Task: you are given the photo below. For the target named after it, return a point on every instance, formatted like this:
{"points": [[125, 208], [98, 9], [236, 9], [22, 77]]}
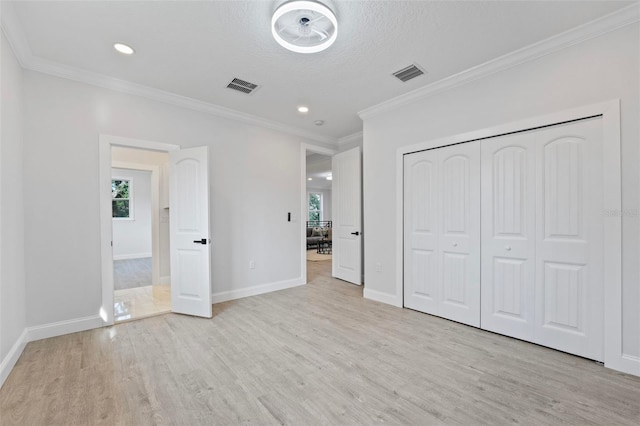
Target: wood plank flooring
{"points": [[316, 354]]}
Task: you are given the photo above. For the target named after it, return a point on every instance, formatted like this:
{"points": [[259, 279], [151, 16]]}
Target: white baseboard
{"points": [[131, 256], [165, 280], [12, 357], [378, 296], [63, 327], [224, 296]]}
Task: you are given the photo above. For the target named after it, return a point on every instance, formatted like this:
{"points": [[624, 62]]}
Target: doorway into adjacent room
{"points": [[319, 229], [140, 223]]}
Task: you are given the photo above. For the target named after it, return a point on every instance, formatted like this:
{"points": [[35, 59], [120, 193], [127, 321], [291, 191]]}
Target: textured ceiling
{"points": [[195, 48]]}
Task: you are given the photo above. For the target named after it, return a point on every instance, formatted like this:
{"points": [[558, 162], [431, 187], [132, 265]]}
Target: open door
{"points": [[347, 216], [189, 234]]}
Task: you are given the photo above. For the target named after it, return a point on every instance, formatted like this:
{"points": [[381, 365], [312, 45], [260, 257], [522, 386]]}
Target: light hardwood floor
{"points": [[316, 354]]}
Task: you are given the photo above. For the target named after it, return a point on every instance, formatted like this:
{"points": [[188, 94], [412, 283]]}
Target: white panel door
{"points": [[189, 232], [508, 235], [569, 221], [421, 245], [459, 236], [442, 232], [347, 216]]}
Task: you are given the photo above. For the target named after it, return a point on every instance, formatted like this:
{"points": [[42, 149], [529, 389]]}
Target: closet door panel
{"points": [[460, 232], [569, 275], [508, 232], [421, 251]]}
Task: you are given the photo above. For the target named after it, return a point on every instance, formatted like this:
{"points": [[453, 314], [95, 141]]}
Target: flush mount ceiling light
{"points": [[123, 48], [304, 26]]}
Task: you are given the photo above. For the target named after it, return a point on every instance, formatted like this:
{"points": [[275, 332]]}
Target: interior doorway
{"points": [[316, 213], [131, 154], [186, 193], [140, 233]]}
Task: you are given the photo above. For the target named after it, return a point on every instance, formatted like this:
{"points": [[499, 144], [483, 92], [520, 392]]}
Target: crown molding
{"points": [[18, 42], [611, 22], [350, 138], [13, 33]]}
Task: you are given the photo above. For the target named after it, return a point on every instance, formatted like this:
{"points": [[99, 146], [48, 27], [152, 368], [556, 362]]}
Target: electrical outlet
{"points": [[252, 264], [378, 267]]}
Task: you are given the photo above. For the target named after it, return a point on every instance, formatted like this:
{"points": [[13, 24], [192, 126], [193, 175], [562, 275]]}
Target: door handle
{"points": [[355, 233], [202, 241]]}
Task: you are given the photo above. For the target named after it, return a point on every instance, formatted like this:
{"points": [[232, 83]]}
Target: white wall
{"points": [[351, 142], [158, 159], [12, 281], [139, 156], [594, 71], [254, 182], [132, 237]]}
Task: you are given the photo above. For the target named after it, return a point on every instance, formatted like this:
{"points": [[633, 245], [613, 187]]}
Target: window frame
{"points": [[130, 199]]}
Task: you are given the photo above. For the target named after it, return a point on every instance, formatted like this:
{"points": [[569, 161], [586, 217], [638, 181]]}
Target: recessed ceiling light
{"points": [[330, 177], [304, 26], [318, 122], [309, 178], [303, 109], [123, 48]]}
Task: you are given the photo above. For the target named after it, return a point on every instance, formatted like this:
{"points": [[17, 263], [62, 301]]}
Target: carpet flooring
{"points": [[131, 273]]}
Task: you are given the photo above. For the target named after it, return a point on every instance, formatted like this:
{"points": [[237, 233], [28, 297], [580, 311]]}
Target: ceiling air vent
{"points": [[406, 74], [242, 86]]}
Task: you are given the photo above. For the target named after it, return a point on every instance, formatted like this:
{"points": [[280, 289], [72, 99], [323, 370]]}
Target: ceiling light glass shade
{"points": [[304, 26]]}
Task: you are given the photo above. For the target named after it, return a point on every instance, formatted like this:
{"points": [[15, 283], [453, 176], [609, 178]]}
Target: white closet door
{"points": [[442, 232], [508, 235], [460, 232], [421, 253], [569, 210]]}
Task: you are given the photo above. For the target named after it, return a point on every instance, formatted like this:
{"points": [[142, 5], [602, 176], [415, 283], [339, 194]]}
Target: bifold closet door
{"points": [[508, 235], [442, 232], [569, 300], [542, 221]]}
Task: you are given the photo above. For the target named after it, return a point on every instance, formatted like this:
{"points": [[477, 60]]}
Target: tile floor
{"points": [[141, 302]]}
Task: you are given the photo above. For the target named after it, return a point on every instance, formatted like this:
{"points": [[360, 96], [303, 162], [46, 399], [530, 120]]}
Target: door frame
{"points": [[106, 223], [303, 200], [612, 225]]}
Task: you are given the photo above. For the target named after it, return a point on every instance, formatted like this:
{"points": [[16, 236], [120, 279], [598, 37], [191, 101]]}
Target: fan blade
{"points": [[316, 20], [322, 34], [287, 27]]}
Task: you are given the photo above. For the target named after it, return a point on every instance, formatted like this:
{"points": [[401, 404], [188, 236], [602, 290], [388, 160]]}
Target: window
{"points": [[315, 206], [121, 199]]}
